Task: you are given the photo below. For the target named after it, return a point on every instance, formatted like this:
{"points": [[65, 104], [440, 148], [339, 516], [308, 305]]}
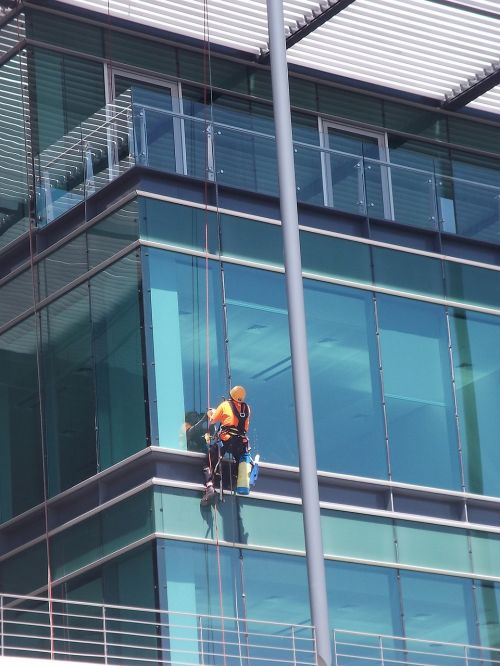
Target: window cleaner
{"points": [[233, 415]]}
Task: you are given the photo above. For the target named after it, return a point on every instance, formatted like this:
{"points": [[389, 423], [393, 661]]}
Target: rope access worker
{"points": [[234, 416]]}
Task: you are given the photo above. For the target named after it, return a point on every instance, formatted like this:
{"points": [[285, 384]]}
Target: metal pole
{"points": [[297, 325]]}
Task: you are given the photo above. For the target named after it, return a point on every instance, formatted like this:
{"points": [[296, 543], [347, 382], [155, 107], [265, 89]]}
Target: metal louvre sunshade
{"points": [[424, 47]]}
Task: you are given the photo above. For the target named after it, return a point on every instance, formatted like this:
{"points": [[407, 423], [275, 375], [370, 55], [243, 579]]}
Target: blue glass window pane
{"points": [[275, 589], [260, 358], [487, 595], [438, 607], [347, 396], [363, 598], [179, 337], [417, 385], [476, 358]]}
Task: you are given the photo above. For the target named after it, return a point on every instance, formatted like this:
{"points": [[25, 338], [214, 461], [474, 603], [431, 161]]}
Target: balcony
{"points": [[353, 648], [31, 627], [125, 133]]}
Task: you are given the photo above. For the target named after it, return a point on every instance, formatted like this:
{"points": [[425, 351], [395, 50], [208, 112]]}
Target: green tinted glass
{"points": [[113, 233], [350, 105], [361, 537], [418, 392], [335, 257], [16, 296], [472, 284], [485, 553], [178, 225], [70, 390], [143, 53], [26, 571], [407, 272], [345, 380], [117, 347], [433, 546], [62, 31], [21, 485], [476, 359]]}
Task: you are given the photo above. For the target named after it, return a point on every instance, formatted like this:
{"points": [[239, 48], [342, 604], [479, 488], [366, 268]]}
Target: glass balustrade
{"points": [[124, 134]]}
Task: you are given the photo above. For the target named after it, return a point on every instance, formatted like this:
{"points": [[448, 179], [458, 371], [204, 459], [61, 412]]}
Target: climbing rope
{"points": [[207, 87]]}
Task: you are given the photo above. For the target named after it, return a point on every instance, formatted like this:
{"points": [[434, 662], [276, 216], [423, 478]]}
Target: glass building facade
{"points": [[141, 274]]}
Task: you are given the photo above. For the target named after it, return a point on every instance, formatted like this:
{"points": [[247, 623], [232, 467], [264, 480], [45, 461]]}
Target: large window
{"points": [[183, 370], [93, 375], [418, 392], [346, 389], [476, 357], [21, 485]]}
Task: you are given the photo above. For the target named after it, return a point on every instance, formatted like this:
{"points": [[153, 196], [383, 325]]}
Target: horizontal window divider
{"points": [[102, 560], [319, 232], [230, 544], [15, 50], [255, 495], [323, 278], [209, 207], [270, 549], [62, 49]]}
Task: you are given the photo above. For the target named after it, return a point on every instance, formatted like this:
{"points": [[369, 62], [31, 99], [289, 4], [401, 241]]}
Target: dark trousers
{"points": [[236, 446]]}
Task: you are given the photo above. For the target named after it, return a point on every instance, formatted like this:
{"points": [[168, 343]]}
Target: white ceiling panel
{"points": [[425, 47]]}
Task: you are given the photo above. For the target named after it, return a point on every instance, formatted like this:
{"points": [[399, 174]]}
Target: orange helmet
{"points": [[238, 393]]}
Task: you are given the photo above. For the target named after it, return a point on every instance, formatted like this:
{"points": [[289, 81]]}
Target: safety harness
{"points": [[242, 415]]}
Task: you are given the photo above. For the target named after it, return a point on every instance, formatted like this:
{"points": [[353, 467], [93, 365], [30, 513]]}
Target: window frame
{"points": [[383, 148], [175, 88]]}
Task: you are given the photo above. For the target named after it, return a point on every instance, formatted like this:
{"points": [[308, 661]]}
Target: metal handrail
{"points": [[271, 137], [377, 651], [89, 631]]}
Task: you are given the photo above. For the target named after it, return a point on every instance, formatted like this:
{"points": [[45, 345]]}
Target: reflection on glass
{"points": [[438, 607], [93, 375], [352, 185], [476, 358], [69, 390], [488, 610], [180, 337], [417, 385], [275, 588], [14, 198], [348, 420], [21, 485], [260, 358], [118, 360], [363, 598], [153, 128]]}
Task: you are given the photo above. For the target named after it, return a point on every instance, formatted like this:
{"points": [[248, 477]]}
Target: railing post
{"points": [[132, 149], [381, 647], [362, 192], [144, 137], [293, 647], [104, 637], [466, 656], [202, 653], [335, 646], [434, 208], [1, 627]]}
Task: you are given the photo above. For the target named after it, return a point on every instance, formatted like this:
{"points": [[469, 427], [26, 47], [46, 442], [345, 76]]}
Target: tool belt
{"points": [[233, 431]]}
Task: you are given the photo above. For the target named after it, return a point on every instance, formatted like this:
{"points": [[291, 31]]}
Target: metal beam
{"points": [[310, 22], [474, 88], [317, 20], [469, 6], [298, 335]]}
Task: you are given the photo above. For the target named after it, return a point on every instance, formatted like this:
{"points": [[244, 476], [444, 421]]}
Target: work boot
{"points": [[208, 497]]}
